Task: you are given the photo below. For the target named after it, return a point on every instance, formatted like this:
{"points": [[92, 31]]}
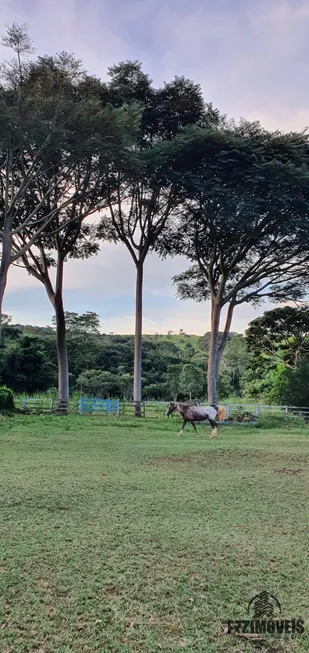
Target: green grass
{"points": [[117, 537]]}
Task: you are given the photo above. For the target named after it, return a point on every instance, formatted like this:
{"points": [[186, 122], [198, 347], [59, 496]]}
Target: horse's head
{"points": [[171, 408]]}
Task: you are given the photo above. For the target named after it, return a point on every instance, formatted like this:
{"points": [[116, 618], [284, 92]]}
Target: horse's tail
{"points": [[221, 411]]}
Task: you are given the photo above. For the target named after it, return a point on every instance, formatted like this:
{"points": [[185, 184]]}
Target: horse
{"points": [[194, 414]]}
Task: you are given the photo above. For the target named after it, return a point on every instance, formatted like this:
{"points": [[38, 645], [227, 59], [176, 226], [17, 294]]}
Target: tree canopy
{"points": [[280, 336], [244, 225]]}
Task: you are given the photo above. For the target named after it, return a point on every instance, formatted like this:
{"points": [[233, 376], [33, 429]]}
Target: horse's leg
{"points": [[182, 428], [196, 431], [213, 425]]}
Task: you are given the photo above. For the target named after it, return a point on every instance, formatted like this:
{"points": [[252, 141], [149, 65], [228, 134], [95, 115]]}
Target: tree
{"points": [[89, 323], [39, 264], [290, 386], [224, 385], [244, 226], [190, 351], [148, 194], [76, 324], [191, 380], [235, 361], [5, 319], [173, 379], [70, 189], [280, 336], [42, 156], [256, 381], [25, 366], [125, 382], [98, 383]]}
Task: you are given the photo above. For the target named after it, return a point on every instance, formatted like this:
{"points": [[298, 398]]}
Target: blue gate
{"points": [[101, 406]]}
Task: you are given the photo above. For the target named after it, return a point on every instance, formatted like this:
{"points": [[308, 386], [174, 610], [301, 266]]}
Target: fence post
{"points": [[108, 406], [257, 410], [287, 416], [80, 408], [227, 410]]}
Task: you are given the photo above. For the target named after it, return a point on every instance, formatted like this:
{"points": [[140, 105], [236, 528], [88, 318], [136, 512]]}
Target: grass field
{"points": [[117, 537]]}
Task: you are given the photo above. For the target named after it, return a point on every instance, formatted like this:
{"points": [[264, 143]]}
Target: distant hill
{"points": [[180, 340]]}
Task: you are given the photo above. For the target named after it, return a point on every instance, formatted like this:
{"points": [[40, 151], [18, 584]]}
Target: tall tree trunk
{"points": [[137, 384], [4, 269], [213, 357], [227, 328], [62, 354], [216, 350]]}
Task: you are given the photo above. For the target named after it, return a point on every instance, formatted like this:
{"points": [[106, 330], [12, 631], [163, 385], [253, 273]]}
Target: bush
{"points": [[273, 421], [6, 399]]}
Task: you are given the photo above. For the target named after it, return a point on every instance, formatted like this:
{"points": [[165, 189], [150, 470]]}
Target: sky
{"points": [[251, 58]]}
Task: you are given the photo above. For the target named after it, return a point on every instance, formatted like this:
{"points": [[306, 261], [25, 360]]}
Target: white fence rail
{"points": [[263, 409], [258, 410]]}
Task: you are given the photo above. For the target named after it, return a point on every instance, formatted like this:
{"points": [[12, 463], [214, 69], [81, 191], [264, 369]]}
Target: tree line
{"points": [[165, 171], [267, 364]]}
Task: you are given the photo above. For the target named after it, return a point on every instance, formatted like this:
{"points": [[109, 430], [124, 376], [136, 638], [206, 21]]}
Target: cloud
{"points": [[250, 57]]}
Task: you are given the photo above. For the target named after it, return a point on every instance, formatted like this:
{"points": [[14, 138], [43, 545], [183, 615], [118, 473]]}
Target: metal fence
{"points": [[151, 409], [101, 406], [35, 405], [258, 410], [254, 409]]}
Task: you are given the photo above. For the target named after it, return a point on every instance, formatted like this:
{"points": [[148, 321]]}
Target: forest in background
{"points": [[269, 363]]}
